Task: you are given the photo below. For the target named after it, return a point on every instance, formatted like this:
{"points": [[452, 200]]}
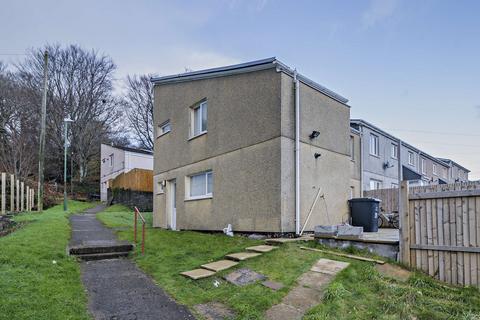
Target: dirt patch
{"points": [[214, 311], [393, 271]]}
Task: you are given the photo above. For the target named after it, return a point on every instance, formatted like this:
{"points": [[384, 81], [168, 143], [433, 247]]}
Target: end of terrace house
{"points": [[251, 145]]}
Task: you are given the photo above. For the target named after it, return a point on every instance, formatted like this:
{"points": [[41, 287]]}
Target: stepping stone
{"points": [[214, 311], [273, 285], [394, 272], [244, 276], [242, 256], [315, 280], [302, 298], [197, 274], [262, 248], [286, 240], [329, 266], [283, 312], [219, 265]]}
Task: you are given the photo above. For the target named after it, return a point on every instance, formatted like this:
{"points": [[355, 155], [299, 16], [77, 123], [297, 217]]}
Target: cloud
{"points": [[378, 11]]}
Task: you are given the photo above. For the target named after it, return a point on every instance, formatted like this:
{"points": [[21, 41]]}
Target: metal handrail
{"points": [[136, 214]]}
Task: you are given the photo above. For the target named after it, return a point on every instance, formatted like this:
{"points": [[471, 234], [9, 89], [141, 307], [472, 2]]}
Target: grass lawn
{"points": [[31, 285], [358, 292]]}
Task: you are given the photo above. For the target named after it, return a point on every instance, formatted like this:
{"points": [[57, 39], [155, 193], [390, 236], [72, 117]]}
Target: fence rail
{"points": [[440, 231]]}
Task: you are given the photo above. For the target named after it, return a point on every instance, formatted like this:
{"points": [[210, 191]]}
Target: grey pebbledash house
{"points": [[382, 155], [251, 145]]}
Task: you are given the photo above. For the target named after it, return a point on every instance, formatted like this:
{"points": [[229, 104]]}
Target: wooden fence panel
{"points": [[136, 179], [444, 232], [389, 198]]}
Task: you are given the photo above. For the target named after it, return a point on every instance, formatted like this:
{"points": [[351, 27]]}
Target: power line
{"points": [[437, 132]]}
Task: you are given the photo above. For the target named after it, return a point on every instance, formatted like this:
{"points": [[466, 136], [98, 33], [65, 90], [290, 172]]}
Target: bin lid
{"points": [[368, 199]]}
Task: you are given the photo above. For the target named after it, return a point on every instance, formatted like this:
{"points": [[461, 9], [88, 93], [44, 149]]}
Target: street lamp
{"points": [[65, 206]]}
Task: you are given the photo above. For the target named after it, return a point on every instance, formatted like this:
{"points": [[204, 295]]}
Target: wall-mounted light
{"points": [[314, 134], [317, 155]]}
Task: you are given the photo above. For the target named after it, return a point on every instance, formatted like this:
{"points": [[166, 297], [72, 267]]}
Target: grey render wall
{"points": [[249, 147], [355, 165], [241, 147], [330, 172]]}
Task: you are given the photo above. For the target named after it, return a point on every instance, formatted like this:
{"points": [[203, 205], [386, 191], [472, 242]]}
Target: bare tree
{"points": [[80, 85], [138, 106], [17, 126]]}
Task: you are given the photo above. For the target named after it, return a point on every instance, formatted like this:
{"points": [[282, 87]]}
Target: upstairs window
{"points": [[374, 145], [394, 151], [199, 119], [164, 128], [411, 158], [424, 166], [201, 185], [111, 160]]}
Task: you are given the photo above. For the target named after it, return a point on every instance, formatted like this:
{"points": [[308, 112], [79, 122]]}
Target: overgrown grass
{"points": [[32, 286], [359, 292]]}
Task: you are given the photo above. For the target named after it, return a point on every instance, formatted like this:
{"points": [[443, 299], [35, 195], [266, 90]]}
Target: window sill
{"points": [[198, 135], [199, 198], [375, 155], [161, 135]]}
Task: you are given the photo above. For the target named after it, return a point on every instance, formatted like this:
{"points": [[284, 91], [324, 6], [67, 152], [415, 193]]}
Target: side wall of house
{"points": [[107, 170], [329, 173], [241, 147], [355, 165]]}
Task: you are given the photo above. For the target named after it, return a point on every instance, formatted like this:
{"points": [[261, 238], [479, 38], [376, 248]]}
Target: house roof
{"points": [[130, 149], [451, 162], [251, 66], [382, 132]]}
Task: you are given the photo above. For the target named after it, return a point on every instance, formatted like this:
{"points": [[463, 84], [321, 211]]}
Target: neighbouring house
{"points": [[456, 172], [116, 160], [355, 164], [382, 154], [250, 145]]}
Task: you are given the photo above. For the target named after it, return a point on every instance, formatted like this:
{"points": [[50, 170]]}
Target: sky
{"points": [[410, 67]]}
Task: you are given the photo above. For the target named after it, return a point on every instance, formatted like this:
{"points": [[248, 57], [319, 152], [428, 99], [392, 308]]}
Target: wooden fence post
{"points": [[22, 196], [33, 199], [27, 199], [4, 191], [12, 193], [18, 195], [404, 216]]}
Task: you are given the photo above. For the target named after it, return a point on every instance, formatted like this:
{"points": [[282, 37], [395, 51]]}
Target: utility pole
{"points": [[41, 149]]}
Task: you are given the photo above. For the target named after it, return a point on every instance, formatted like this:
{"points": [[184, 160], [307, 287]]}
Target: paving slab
{"points": [[392, 271], [242, 256], [219, 265], [262, 248], [286, 240], [329, 266], [214, 311], [273, 285], [198, 273], [315, 280], [244, 276], [284, 312]]}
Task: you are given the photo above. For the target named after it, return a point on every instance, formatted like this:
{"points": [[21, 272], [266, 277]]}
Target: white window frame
{"points": [[188, 190], [374, 145], [200, 106], [434, 169], [164, 128], [423, 163], [394, 151], [394, 185], [377, 184], [411, 158]]}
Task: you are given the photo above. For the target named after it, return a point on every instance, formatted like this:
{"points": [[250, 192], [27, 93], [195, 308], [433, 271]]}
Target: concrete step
{"points": [[80, 250], [102, 256]]}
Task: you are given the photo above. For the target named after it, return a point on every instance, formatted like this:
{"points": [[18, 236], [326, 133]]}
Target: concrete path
{"points": [[116, 288], [308, 292]]}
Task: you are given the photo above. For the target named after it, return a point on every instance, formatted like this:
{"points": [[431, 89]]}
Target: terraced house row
{"points": [[255, 145]]}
